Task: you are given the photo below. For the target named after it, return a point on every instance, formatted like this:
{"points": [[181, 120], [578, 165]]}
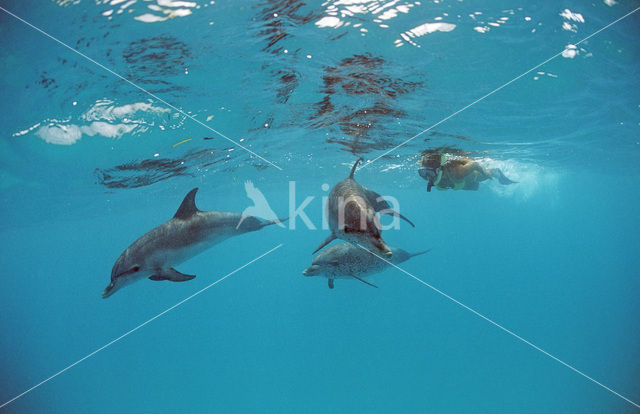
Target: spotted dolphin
{"points": [[351, 210], [346, 261], [187, 234]]}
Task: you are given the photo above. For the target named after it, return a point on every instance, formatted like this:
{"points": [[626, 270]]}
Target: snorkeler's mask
{"points": [[428, 174], [433, 175]]}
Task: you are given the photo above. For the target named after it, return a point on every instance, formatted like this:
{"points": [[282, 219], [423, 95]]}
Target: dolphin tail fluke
{"points": [[274, 221], [171, 274], [364, 281], [353, 169], [419, 253], [502, 179], [396, 214], [328, 240]]}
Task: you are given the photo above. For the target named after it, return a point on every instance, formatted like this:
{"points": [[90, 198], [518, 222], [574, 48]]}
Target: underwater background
{"points": [[89, 162]]}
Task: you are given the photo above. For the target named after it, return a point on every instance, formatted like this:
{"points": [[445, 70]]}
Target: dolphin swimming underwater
{"points": [[187, 234], [346, 261], [351, 210]]}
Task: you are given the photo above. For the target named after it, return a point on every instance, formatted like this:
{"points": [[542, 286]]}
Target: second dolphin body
{"points": [[346, 261]]}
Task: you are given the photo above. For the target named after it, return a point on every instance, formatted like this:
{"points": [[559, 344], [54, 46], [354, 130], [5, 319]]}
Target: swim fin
{"points": [[502, 179]]}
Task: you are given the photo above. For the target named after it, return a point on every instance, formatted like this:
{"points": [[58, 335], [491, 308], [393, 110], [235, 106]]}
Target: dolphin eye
{"points": [[135, 268]]}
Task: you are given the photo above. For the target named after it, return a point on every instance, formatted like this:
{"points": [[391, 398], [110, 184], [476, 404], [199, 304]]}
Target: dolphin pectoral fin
{"points": [[328, 240], [376, 200], [330, 283], [170, 274], [364, 281], [380, 205], [396, 214]]}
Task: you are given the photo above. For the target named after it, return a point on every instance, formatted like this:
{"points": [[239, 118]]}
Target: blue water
{"points": [[89, 163]]}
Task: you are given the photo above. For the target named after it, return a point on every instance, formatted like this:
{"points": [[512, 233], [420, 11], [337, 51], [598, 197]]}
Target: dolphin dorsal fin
{"points": [[353, 169], [188, 207]]}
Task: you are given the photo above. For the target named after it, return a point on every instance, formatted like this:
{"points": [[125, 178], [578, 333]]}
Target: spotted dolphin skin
{"points": [[346, 261], [351, 210], [187, 234]]}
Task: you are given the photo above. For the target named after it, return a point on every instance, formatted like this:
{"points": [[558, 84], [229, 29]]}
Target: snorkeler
{"points": [[459, 172]]}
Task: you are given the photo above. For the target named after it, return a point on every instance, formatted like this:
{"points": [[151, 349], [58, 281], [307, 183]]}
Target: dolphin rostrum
{"points": [[351, 210], [187, 234], [346, 261]]}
